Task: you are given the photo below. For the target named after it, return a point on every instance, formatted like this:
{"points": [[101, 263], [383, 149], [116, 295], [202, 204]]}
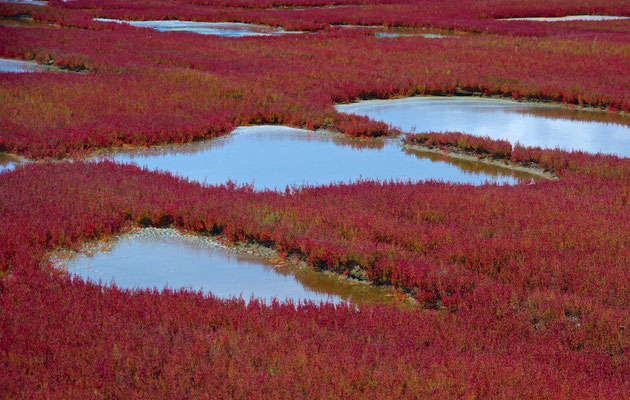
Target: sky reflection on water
{"points": [[274, 157], [529, 124]]}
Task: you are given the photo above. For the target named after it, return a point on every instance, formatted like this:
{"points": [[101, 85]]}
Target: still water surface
{"points": [[29, 2], [382, 35], [159, 258], [568, 18], [274, 157], [529, 124], [8, 162], [226, 29], [394, 32], [19, 66]]}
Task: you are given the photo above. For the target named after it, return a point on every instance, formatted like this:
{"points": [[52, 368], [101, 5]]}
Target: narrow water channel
{"points": [[29, 2], [8, 162], [158, 258], [381, 32], [568, 18], [19, 66], [226, 29], [530, 124], [274, 157], [389, 35]]}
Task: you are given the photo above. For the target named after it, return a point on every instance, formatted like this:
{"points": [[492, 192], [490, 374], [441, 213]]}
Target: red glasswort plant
{"points": [[476, 253], [522, 290], [144, 89]]}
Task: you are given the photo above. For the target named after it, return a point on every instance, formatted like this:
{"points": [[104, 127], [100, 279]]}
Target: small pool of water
{"points": [[274, 157], [8, 162], [227, 29], [381, 32], [159, 258], [529, 124], [568, 18], [29, 2], [382, 35], [19, 66]]}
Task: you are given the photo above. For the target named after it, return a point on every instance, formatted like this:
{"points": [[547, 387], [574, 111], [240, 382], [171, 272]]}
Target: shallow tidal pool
{"points": [[529, 124], [8, 162], [277, 157], [19, 66], [28, 2], [569, 18], [165, 258], [226, 29]]}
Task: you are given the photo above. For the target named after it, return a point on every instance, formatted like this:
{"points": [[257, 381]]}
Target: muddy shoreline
{"points": [[453, 152], [284, 264], [456, 152], [464, 92]]}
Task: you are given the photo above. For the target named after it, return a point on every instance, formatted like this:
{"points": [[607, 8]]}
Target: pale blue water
{"points": [[7, 167], [8, 162], [569, 18], [529, 124], [382, 35], [18, 66], [226, 29], [160, 258], [274, 157], [30, 2]]}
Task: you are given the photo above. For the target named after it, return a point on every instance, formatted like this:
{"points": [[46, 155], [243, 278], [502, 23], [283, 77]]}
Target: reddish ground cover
{"points": [[523, 291], [518, 300], [191, 86], [478, 16]]}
